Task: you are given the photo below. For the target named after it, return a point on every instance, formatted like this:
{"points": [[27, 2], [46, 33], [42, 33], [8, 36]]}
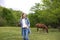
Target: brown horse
{"points": [[43, 26]]}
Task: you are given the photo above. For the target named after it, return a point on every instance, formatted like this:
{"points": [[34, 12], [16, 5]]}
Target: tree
{"points": [[47, 13], [9, 16]]}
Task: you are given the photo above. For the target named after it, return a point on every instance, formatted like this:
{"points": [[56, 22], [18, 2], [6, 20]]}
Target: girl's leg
{"points": [[29, 31], [23, 33], [26, 35]]}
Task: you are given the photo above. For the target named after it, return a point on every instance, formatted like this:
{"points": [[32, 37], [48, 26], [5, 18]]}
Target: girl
{"points": [[25, 24]]}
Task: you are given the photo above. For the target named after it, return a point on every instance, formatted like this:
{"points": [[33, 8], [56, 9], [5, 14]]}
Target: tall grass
{"points": [[14, 33]]}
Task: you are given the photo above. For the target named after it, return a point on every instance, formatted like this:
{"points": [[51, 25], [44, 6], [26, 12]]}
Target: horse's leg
{"points": [[43, 29], [37, 28], [46, 29]]}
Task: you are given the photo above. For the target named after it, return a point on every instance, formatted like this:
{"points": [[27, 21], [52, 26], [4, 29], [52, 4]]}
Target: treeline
{"points": [[47, 13], [9, 17]]}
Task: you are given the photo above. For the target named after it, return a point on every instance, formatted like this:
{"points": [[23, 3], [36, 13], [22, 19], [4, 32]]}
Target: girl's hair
{"points": [[22, 15]]}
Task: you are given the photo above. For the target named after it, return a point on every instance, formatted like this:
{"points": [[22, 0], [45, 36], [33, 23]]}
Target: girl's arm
{"points": [[28, 22]]}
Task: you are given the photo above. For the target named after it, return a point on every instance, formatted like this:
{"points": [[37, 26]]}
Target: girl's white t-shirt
{"points": [[24, 23]]}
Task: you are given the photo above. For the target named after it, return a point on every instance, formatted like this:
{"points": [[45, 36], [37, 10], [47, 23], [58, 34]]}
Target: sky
{"points": [[23, 5]]}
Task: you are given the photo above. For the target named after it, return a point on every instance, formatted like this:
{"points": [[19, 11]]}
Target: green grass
{"points": [[14, 33]]}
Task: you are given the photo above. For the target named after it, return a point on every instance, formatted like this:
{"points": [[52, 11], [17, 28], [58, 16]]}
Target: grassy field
{"points": [[14, 33]]}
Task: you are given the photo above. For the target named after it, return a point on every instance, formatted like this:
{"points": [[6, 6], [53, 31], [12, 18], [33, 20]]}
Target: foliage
{"points": [[47, 13], [9, 17]]}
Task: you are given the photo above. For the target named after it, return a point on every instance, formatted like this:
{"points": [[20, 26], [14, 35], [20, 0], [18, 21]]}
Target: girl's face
{"points": [[24, 16]]}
